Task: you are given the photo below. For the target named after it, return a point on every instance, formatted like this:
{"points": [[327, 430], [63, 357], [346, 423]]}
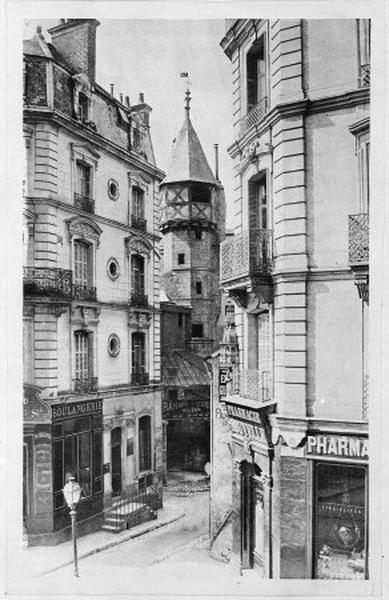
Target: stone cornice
{"points": [[320, 274], [240, 30], [32, 115], [304, 106], [71, 209], [293, 430]]}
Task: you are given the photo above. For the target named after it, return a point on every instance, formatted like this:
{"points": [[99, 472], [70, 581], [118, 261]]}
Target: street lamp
{"points": [[72, 493]]}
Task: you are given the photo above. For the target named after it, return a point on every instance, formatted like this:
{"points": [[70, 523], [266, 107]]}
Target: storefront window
{"points": [[340, 527]]}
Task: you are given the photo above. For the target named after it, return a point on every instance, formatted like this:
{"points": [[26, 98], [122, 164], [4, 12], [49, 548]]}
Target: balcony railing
{"points": [[358, 239], [85, 384], [138, 223], [255, 114], [139, 378], [139, 300], [84, 292], [248, 253], [364, 78], [47, 281], [255, 385], [84, 203]]}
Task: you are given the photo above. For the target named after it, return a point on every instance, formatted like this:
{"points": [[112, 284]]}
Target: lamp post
{"points": [[72, 493]]}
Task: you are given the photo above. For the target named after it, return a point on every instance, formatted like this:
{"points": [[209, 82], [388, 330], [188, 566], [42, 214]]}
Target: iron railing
{"points": [[255, 114], [84, 292], [358, 239], [245, 254], [85, 384], [47, 281], [84, 203], [139, 300], [138, 223], [139, 378], [134, 507], [364, 77], [255, 385]]}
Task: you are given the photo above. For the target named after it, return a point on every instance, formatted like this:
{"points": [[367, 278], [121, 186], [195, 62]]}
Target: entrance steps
{"points": [[125, 514]]}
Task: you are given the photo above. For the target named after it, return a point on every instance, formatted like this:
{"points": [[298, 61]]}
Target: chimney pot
{"points": [[141, 98], [128, 101], [121, 98], [112, 89]]}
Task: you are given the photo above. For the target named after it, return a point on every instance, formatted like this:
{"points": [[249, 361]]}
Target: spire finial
{"points": [[187, 101]]}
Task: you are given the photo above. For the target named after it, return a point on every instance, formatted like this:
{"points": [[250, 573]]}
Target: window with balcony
{"points": [[83, 271], [138, 355], [363, 153], [364, 51], [83, 193], [138, 209], [83, 373], [256, 74], [145, 454], [138, 295]]}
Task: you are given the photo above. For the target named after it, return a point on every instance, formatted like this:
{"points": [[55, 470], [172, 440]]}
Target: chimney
{"points": [[112, 89], [75, 40], [121, 98], [128, 101]]}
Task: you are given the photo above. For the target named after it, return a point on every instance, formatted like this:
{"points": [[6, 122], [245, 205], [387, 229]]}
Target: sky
{"points": [[144, 55]]}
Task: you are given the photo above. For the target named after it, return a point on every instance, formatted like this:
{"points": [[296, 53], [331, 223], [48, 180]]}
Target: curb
{"points": [[108, 545]]}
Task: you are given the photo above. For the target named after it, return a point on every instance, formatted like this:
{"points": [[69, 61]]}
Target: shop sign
{"points": [[75, 409], [248, 430], [339, 446], [43, 474], [225, 377], [185, 409], [242, 413], [35, 410]]}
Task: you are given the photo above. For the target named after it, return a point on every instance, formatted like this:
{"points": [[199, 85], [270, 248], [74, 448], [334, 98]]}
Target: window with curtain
{"points": [[145, 463], [137, 274], [138, 208], [82, 264], [82, 355], [84, 180], [256, 74], [138, 353]]}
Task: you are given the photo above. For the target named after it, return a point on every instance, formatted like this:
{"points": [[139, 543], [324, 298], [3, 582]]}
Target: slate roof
{"points": [[184, 369], [188, 161]]}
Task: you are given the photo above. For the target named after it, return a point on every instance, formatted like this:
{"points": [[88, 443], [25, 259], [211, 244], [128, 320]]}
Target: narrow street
{"points": [[170, 560]]}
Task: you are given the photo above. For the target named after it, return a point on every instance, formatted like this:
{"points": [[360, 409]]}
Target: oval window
{"points": [[113, 189], [113, 345], [113, 268]]}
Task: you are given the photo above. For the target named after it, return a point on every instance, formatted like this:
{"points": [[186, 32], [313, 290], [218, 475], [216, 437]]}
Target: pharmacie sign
{"points": [[337, 446]]}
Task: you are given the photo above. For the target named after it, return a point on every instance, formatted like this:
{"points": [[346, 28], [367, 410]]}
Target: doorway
{"points": [[116, 460], [249, 511]]}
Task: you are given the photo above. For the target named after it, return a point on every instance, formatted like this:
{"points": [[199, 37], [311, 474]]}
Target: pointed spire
{"points": [[187, 101]]}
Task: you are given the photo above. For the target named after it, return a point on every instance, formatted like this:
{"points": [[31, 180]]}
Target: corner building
{"points": [[294, 407], [92, 405]]}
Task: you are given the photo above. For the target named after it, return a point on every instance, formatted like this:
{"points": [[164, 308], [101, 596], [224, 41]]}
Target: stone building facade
{"points": [[92, 376], [293, 413]]}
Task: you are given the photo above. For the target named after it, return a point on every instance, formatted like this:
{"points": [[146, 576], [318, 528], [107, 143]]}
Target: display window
{"points": [[340, 521]]}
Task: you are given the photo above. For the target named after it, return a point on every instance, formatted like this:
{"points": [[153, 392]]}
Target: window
{"points": [[83, 355], [258, 205], [340, 522], [180, 320], [138, 357], [199, 287], [137, 274], [198, 234], [136, 138], [138, 209], [113, 189], [363, 152], [113, 345], [256, 75], [181, 259], [197, 330], [113, 268], [82, 107], [145, 443], [265, 355], [84, 184], [82, 264]]}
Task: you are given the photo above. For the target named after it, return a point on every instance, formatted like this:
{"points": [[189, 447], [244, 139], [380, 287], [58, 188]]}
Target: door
{"points": [[116, 461], [247, 516]]}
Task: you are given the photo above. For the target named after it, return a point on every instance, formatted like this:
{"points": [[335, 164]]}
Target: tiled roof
{"points": [[188, 161], [184, 369]]}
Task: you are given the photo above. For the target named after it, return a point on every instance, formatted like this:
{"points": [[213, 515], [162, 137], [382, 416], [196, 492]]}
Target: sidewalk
{"points": [[38, 560]]}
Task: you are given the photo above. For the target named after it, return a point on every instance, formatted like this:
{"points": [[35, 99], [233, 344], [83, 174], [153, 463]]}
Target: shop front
{"points": [[339, 466]]}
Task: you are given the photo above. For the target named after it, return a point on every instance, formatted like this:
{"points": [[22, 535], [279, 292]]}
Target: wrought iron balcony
{"points": [[47, 281], [139, 378], [255, 385], [85, 384], [364, 78], [138, 223], [247, 254], [255, 114], [358, 239], [84, 203], [84, 292], [139, 300]]}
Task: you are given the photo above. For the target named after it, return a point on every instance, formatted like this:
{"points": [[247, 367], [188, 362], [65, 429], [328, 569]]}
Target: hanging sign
{"points": [[225, 377]]}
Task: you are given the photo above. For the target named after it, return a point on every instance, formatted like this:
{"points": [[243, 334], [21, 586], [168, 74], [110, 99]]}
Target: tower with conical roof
{"points": [[192, 224]]}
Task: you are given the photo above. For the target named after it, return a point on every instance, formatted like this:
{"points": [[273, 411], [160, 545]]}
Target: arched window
{"points": [[145, 443]]}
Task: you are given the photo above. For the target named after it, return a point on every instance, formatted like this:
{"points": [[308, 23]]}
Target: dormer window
{"points": [[83, 107]]}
